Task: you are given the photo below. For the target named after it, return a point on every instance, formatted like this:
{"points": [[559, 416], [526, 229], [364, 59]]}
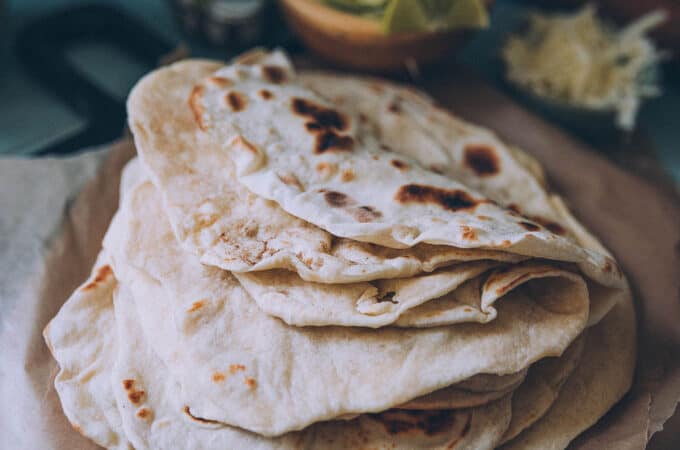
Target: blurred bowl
{"points": [[593, 124], [351, 41]]}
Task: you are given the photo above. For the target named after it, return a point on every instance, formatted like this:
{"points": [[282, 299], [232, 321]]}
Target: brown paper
{"points": [[637, 221]]}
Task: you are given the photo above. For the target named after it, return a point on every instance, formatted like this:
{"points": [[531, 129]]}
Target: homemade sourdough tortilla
{"points": [[82, 339], [452, 295], [454, 397], [113, 388], [227, 226], [541, 387], [152, 419], [280, 142], [170, 425], [603, 376], [217, 326]]}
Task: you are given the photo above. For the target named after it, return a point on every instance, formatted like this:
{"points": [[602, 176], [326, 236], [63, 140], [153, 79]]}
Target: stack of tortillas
{"points": [[317, 261]]}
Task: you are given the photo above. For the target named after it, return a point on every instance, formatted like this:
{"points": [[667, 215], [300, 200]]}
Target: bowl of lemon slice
{"points": [[384, 35]]}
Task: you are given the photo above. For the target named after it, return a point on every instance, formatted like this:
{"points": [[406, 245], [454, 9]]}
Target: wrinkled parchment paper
{"points": [[48, 244]]}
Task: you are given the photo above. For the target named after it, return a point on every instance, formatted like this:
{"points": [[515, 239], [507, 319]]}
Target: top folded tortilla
{"points": [[227, 226], [191, 137], [282, 143]]}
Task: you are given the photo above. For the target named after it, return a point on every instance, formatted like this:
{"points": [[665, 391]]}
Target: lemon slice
{"points": [[467, 14], [430, 15], [404, 15]]}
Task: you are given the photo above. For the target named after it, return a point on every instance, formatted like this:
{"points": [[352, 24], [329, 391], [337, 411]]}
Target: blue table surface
{"points": [[30, 117]]}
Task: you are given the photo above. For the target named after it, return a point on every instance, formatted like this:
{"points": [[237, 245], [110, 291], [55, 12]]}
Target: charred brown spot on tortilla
{"points": [[469, 233], [102, 274], [399, 164], [365, 214], [329, 141], [195, 306], [324, 123], [394, 106], [553, 227], [251, 383], [326, 169], [312, 126], [388, 297], [187, 411], [291, 180], [128, 384], [506, 244], [449, 199], [482, 160], [326, 118], [514, 208], [306, 260], [266, 94], [221, 82], [403, 421], [236, 368], [218, 377], [274, 74], [529, 226], [610, 265], [136, 396], [337, 199], [196, 105], [347, 175], [144, 413], [386, 148], [236, 101], [484, 218]]}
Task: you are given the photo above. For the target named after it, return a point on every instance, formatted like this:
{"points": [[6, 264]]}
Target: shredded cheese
{"points": [[577, 59]]}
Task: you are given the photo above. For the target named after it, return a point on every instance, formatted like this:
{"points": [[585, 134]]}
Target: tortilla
{"points": [[542, 387], [150, 421], [603, 376], [144, 394], [80, 338], [217, 325], [229, 227], [278, 143], [478, 313]]}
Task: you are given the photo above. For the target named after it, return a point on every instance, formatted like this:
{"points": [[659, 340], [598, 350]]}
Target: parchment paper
{"points": [[638, 222]]}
